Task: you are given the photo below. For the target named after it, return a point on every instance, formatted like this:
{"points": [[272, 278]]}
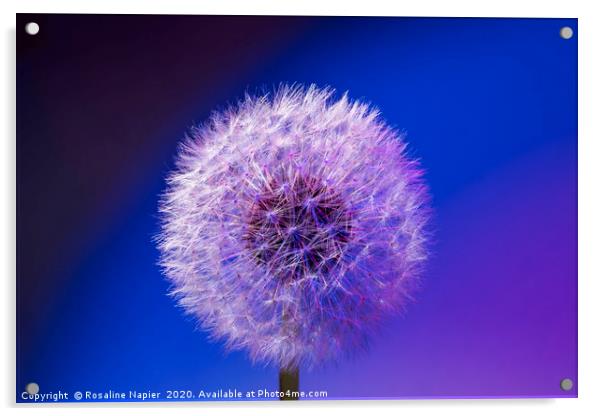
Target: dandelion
{"points": [[292, 225]]}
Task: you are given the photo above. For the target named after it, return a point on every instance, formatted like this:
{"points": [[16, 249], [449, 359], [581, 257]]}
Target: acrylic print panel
{"points": [[264, 208]]}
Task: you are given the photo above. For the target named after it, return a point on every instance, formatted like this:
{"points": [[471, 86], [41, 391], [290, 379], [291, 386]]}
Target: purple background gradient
{"points": [[497, 315]]}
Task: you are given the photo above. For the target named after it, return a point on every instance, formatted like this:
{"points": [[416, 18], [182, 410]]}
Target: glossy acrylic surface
{"points": [[489, 107]]}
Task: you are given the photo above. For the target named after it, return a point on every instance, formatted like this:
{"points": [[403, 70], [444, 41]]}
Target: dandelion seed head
{"points": [[293, 224]]}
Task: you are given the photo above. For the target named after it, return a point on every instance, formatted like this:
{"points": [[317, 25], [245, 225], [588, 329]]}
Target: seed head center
{"points": [[297, 227]]}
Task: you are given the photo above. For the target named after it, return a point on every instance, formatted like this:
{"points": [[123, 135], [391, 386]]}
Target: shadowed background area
{"points": [[489, 106]]}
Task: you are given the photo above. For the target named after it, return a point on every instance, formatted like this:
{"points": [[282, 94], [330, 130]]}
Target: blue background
{"points": [[489, 107]]}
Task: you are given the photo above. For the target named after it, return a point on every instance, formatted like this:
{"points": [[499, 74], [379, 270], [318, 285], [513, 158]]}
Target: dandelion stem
{"points": [[289, 383]]}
